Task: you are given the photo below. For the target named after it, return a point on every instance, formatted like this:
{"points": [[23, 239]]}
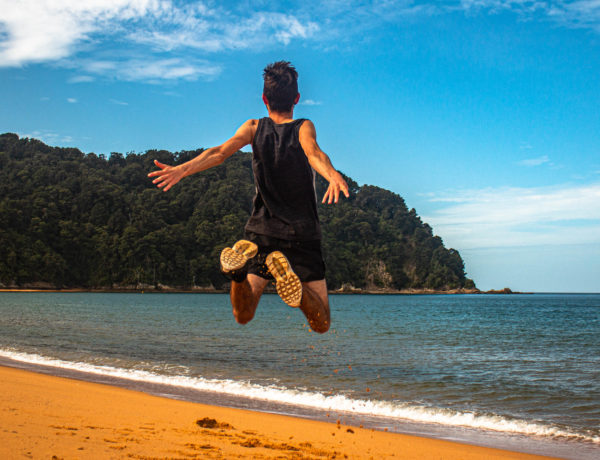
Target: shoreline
{"points": [[268, 290], [50, 415]]}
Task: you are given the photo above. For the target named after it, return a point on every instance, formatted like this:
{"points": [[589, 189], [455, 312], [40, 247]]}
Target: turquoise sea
{"points": [[520, 372]]}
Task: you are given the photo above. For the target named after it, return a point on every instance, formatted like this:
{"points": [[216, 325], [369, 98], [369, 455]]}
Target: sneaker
{"points": [[288, 284], [235, 258]]}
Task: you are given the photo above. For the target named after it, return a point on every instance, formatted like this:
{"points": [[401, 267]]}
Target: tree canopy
{"points": [[70, 219]]}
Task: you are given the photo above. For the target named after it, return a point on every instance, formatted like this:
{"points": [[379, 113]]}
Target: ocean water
{"points": [[514, 371]]}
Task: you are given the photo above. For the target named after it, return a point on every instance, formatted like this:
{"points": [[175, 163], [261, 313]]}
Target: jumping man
{"points": [[283, 235]]}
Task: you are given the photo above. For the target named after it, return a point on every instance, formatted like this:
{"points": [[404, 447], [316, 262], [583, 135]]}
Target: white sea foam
{"points": [[273, 393]]}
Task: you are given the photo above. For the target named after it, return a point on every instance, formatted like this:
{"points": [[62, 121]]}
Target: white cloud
{"points": [[217, 32], [71, 100], [81, 79], [519, 216], [48, 137], [310, 102], [109, 32], [577, 13], [580, 13], [64, 31], [153, 70], [521, 6], [535, 161], [38, 31], [117, 102]]}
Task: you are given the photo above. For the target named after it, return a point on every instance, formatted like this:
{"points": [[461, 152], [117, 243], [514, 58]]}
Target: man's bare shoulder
{"points": [[247, 130], [251, 125], [307, 129]]}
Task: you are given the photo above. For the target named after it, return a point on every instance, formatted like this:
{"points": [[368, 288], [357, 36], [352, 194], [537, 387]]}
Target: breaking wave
{"points": [[316, 400]]}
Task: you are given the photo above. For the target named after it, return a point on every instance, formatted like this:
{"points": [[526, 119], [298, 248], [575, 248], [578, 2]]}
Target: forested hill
{"points": [[69, 219]]}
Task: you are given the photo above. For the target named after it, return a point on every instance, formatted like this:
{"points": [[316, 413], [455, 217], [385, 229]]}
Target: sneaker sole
{"points": [[287, 283], [236, 257]]}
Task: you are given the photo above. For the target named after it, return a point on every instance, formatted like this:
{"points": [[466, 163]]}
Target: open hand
{"points": [[337, 184], [167, 176]]}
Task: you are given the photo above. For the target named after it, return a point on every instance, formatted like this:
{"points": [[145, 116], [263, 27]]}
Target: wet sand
{"points": [[43, 416]]}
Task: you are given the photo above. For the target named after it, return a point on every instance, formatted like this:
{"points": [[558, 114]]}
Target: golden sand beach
{"points": [[43, 416]]}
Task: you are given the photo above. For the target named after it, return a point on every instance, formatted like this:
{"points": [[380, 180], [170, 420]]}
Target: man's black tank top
{"points": [[285, 205]]}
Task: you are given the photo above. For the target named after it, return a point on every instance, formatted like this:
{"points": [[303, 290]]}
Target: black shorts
{"points": [[305, 257]]}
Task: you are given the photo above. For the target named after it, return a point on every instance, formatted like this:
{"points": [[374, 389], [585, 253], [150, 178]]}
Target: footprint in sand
{"points": [[207, 422]]}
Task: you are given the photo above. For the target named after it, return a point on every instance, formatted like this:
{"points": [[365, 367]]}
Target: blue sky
{"points": [[482, 114]]}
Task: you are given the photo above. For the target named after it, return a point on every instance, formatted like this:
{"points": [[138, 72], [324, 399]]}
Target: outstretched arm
{"points": [[321, 163], [167, 176]]}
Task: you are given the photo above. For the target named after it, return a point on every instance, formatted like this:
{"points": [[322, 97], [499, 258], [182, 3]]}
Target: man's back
{"points": [[285, 203]]}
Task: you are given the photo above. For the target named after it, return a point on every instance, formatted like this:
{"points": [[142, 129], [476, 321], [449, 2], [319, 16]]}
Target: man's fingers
{"points": [[345, 190], [161, 171], [326, 196], [336, 192], [166, 177], [332, 195], [161, 178]]}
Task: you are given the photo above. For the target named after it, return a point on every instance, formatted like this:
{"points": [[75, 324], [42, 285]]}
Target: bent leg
{"points": [[245, 297], [315, 305]]}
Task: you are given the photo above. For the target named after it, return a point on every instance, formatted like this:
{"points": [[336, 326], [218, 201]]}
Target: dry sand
{"points": [[45, 417]]}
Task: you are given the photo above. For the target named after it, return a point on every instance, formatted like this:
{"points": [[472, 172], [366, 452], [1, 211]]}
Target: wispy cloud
{"points": [[519, 6], [71, 100], [117, 102], [81, 79], [518, 216], [582, 13], [577, 13], [97, 36], [37, 31], [48, 137], [213, 31], [525, 146], [535, 161], [310, 102], [153, 71], [155, 31]]}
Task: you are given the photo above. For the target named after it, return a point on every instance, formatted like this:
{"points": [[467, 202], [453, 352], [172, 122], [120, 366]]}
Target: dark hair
{"points": [[281, 86]]}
